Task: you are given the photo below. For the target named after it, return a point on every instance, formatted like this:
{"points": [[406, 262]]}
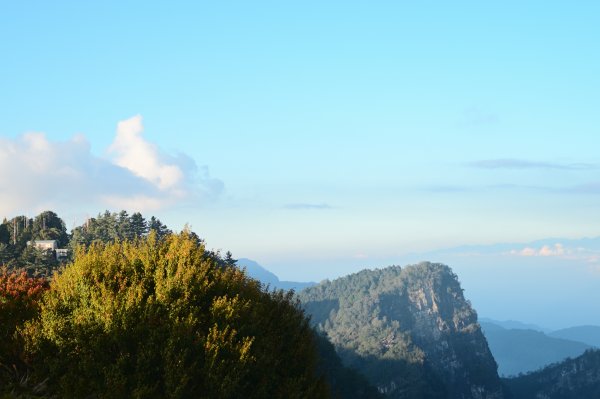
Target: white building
{"points": [[50, 245], [44, 244], [62, 253]]}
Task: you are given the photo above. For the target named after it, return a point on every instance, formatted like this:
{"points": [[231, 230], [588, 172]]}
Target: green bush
{"points": [[167, 319]]}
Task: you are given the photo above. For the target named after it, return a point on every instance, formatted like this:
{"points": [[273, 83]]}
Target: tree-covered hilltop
{"points": [[140, 312], [409, 330], [109, 227], [571, 379], [18, 234]]}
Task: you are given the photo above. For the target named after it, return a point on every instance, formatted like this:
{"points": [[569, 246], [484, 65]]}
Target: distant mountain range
{"points": [[587, 334], [261, 274], [524, 350], [514, 324]]}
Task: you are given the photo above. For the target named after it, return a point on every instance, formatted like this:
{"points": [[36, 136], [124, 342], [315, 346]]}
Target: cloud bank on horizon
{"points": [[37, 173]]}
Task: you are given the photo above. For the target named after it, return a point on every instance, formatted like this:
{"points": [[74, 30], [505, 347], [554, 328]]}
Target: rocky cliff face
{"points": [[409, 330]]}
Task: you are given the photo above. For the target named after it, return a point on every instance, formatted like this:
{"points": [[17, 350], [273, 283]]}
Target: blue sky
{"points": [[316, 138]]}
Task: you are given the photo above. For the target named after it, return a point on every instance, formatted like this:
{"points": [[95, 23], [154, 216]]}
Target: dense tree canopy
{"points": [[109, 227], [156, 318]]}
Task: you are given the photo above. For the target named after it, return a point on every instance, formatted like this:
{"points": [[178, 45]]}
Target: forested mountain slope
{"points": [[409, 330], [577, 378]]}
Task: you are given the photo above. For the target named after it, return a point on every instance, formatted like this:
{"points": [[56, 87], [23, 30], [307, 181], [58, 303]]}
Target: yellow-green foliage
{"points": [[166, 319]]}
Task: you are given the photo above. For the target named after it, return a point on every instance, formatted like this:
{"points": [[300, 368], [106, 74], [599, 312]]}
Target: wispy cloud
{"points": [[512, 163], [37, 173], [306, 206]]}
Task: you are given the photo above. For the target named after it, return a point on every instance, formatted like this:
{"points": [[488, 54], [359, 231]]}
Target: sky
{"points": [[317, 138]]}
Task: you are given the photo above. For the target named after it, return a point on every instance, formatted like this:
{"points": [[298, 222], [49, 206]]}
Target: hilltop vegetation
{"points": [[16, 233], [142, 312]]}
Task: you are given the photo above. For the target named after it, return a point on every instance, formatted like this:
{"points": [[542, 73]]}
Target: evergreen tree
{"points": [[139, 226], [124, 226], [155, 225], [4, 232]]}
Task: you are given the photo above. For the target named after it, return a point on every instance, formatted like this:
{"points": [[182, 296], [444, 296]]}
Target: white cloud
{"points": [[133, 152], [547, 250], [37, 173]]}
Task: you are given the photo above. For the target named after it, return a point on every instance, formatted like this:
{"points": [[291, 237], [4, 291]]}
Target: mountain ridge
{"points": [[409, 330], [588, 334]]}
